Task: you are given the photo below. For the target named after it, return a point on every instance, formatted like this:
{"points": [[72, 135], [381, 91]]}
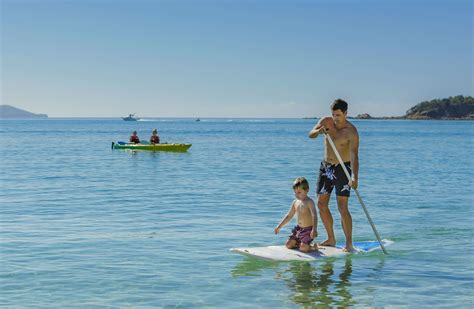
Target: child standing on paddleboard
{"points": [[306, 229]]}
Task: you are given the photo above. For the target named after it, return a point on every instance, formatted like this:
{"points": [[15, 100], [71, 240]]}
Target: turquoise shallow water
{"points": [[82, 225]]}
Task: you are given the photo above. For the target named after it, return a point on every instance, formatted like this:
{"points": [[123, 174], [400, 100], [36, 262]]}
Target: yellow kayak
{"points": [[152, 147]]}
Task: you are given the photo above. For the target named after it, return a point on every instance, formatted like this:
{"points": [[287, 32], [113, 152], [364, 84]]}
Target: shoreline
{"points": [[235, 118], [397, 118]]}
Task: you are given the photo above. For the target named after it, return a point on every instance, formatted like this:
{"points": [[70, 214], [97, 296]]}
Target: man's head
{"points": [[339, 110], [301, 188]]}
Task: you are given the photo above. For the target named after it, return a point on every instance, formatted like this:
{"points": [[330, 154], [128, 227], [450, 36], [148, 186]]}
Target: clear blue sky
{"points": [[232, 58]]}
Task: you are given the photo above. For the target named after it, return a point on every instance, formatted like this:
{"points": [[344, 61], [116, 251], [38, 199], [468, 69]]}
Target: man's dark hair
{"points": [[339, 104]]}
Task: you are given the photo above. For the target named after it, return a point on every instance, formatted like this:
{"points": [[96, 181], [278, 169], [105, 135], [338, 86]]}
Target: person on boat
{"points": [[331, 174], [154, 138], [134, 138], [306, 229]]}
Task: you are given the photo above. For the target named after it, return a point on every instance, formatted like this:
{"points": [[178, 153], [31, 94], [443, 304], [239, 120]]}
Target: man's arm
{"points": [[319, 128], [287, 218], [354, 148]]}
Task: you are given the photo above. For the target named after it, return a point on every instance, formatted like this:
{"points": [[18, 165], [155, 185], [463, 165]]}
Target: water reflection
{"points": [[320, 284], [252, 267], [153, 154]]}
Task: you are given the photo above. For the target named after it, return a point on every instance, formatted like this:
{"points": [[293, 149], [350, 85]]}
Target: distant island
{"points": [[458, 107], [452, 108], [10, 112]]}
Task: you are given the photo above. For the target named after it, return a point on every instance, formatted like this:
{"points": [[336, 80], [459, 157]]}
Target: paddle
{"points": [[357, 192]]}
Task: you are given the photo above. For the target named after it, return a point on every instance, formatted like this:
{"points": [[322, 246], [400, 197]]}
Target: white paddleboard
{"points": [[281, 253]]}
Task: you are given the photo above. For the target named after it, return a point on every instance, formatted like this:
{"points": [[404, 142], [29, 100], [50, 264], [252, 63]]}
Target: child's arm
{"points": [[314, 217], [287, 218]]}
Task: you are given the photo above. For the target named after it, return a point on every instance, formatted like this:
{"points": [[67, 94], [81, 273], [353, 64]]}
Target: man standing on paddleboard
{"points": [[331, 174]]}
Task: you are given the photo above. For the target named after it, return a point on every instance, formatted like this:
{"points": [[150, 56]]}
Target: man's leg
{"points": [[346, 220], [326, 217]]}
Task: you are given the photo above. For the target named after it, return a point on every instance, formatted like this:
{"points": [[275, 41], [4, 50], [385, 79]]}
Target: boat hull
{"points": [[156, 147]]}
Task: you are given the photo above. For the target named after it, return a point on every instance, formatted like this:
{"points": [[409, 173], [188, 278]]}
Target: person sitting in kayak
{"points": [[306, 229], [154, 138], [134, 138]]}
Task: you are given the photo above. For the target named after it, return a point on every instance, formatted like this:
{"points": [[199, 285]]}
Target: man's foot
{"points": [[349, 249], [328, 243]]}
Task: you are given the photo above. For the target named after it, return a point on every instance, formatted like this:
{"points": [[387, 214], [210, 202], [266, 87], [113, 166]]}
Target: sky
{"points": [[232, 58]]}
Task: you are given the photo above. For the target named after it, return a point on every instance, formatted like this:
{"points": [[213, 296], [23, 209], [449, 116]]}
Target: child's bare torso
{"points": [[303, 212]]}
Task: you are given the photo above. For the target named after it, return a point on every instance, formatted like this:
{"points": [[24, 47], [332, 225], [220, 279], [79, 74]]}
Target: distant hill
{"points": [[458, 107], [10, 112], [363, 116]]}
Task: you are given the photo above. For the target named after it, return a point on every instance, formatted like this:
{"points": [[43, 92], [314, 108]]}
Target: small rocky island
{"points": [[10, 112], [458, 107]]}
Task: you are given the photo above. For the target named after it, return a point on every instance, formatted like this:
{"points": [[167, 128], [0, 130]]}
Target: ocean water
{"points": [[84, 226]]}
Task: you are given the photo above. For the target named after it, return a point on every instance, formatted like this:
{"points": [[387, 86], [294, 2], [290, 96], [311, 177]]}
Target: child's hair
{"points": [[301, 182]]}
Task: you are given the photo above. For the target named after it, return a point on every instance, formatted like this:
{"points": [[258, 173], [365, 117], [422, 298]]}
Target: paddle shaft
{"points": [[357, 192]]}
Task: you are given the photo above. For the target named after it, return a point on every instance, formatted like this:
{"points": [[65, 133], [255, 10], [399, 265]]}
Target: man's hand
{"points": [[317, 130], [354, 183], [323, 130], [277, 230], [313, 233]]}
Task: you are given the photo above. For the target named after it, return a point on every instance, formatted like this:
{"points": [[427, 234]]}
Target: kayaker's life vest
{"points": [[134, 139], [155, 139]]}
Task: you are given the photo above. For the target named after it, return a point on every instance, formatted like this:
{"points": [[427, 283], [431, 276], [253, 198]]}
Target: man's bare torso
{"points": [[341, 137]]}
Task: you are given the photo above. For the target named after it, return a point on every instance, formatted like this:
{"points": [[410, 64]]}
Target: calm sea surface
{"points": [[82, 225]]}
